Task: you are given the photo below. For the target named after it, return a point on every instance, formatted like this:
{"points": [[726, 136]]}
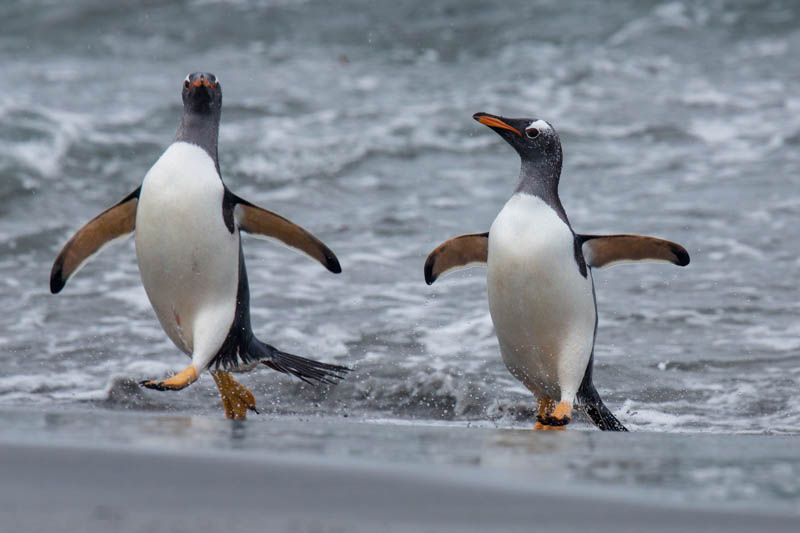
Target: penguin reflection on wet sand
{"points": [[540, 286], [187, 226]]}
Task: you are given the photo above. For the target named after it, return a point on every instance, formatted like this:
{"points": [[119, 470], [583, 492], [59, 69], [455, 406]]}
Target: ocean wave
{"points": [[677, 120]]}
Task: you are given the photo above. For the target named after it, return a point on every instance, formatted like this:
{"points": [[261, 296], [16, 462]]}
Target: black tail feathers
{"points": [[307, 370], [594, 407]]}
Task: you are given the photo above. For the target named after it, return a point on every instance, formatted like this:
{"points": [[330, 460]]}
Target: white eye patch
{"points": [[540, 125]]}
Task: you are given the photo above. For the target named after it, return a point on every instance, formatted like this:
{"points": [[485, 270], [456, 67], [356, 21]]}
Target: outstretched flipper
{"points": [[116, 222], [607, 250], [456, 253], [260, 222]]}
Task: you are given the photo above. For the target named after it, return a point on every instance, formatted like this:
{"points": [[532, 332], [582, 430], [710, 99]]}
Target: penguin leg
{"points": [[236, 398], [545, 408], [559, 418], [179, 381], [569, 381]]}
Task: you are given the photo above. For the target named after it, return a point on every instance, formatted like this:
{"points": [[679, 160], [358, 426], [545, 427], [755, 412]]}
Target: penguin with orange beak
{"points": [[540, 286], [187, 227]]}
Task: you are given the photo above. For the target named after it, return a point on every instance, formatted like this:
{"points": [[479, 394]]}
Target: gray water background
{"points": [[678, 119]]}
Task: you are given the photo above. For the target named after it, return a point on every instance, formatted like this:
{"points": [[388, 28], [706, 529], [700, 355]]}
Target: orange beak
{"points": [[201, 82], [496, 123]]}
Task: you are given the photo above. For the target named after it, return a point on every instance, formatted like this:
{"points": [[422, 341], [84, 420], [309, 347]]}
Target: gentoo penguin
{"points": [[187, 226], [541, 292]]}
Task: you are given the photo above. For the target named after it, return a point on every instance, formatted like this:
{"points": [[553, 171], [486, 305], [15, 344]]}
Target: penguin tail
{"points": [[596, 410], [308, 370]]}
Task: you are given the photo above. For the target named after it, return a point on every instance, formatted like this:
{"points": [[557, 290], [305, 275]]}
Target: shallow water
{"points": [[678, 119]]}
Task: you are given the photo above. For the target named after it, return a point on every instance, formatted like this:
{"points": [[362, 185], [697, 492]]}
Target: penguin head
{"points": [[202, 93], [535, 140]]}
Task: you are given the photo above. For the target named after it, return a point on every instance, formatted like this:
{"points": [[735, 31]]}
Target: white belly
{"points": [[187, 258], [542, 307]]}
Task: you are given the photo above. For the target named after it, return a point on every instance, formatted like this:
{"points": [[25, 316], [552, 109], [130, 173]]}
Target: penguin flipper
{"points": [[456, 253], [260, 222], [116, 222], [607, 250]]}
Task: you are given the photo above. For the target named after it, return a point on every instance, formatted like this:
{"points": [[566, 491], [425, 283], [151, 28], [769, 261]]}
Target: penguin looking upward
{"points": [[187, 226], [540, 286]]}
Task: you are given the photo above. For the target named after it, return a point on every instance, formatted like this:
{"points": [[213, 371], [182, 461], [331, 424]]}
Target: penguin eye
{"points": [[186, 84], [532, 133]]}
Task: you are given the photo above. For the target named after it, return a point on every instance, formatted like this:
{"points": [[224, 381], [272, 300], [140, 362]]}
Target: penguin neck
{"points": [[541, 180], [201, 129]]}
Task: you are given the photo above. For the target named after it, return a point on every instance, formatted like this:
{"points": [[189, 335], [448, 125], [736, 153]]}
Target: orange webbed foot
{"points": [[559, 417], [236, 398], [179, 381], [544, 408]]}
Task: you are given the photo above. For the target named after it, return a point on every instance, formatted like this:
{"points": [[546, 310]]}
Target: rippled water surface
{"points": [[678, 119]]}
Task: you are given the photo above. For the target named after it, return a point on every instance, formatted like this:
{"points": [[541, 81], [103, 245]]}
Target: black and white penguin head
{"points": [[532, 138], [202, 93]]}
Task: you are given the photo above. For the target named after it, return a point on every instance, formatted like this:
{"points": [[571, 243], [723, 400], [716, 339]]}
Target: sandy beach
{"points": [[81, 471]]}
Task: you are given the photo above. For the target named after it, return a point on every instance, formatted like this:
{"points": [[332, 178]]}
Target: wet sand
{"points": [[105, 471], [90, 489]]}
